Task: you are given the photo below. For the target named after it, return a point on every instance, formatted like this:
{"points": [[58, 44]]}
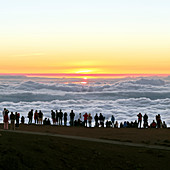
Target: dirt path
{"points": [[93, 140]]}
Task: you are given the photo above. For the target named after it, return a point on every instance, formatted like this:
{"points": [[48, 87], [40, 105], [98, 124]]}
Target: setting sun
{"points": [[102, 40], [84, 71]]}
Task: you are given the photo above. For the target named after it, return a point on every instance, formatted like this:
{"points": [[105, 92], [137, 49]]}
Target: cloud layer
{"points": [[123, 98]]}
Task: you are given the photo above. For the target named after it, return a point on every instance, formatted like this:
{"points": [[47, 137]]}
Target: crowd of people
{"points": [[85, 120], [138, 124]]}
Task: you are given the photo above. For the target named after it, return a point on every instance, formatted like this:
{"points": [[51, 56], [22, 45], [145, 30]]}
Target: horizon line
{"points": [[81, 74]]}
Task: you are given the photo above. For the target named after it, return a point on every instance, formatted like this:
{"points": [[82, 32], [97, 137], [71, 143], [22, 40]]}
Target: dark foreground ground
{"points": [[23, 151], [133, 135]]}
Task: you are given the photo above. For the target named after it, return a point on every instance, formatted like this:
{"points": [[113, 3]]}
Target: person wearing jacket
{"points": [[12, 118], [6, 118], [85, 119], [139, 119]]}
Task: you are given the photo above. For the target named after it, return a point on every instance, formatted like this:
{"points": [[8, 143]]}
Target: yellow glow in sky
{"points": [[91, 37]]}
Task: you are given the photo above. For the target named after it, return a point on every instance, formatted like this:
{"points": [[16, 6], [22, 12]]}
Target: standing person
{"points": [[30, 115], [101, 118], [96, 118], [103, 121], [40, 117], [17, 116], [158, 120], [72, 114], [139, 119], [6, 118], [57, 116], [53, 117], [3, 113], [12, 118], [89, 119], [145, 120], [60, 117], [36, 117], [85, 119], [65, 119], [112, 120]]}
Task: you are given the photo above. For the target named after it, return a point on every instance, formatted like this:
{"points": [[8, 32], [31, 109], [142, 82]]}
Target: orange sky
{"points": [[85, 37]]}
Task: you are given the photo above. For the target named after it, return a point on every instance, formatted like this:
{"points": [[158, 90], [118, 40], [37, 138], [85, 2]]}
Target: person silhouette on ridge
{"points": [[139, 119], [72, 114]]}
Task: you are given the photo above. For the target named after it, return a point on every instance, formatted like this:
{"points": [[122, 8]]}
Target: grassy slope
{"points": [[20, 151]]}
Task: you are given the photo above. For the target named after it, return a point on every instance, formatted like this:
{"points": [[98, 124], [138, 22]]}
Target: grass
{"points": [[22, 151]]}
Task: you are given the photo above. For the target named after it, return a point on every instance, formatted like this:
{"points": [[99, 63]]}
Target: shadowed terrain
{"points": [[25, 151]]}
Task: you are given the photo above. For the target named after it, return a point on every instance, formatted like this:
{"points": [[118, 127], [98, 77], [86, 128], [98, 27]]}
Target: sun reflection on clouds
{"points": [[83, 82]]}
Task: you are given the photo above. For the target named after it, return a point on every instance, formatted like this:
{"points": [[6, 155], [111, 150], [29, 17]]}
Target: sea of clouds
{"points": [[124, 98]]}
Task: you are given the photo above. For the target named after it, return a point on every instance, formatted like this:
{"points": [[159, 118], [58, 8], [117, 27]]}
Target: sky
{"points": [[85, 37]]}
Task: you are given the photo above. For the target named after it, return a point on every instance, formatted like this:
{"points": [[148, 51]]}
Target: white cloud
{"points": [[124, 98]]}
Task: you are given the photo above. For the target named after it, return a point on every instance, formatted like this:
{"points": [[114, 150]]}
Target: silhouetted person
{"points": [[30, 115], [17, 116], [89, 119], [79, 123], [153, 124], [60, 117], [45, 121], [96, 118], [125, 124], [164, 125], [158, 120], [22, 119], [72, 114], [139, 119], [53, 117], [36, 117], [136, 124], [128, 124], [85, 119], [57, 116], [112, 120], [101, 119], [12, 118], [48, 122], [121, 125], [145, 119], [3, 113], [65, 119], [116, 124], [108, 124], [40, 117], [6, 118]]}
